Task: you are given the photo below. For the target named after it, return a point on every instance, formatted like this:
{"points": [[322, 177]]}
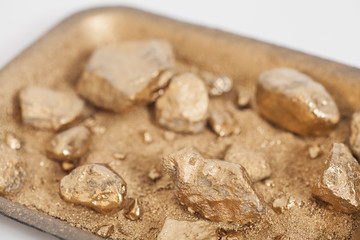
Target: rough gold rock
{"points": [[217, 190], [95, 186], [133, 209], [255, 164], [67, 166], [296, 102], [121, 77], [279, 204], [12, 173], [339, 184], [222, 122], [355, 134], [184, 105], [187, 230], [45, 108], [105, 230], [69, 145]]}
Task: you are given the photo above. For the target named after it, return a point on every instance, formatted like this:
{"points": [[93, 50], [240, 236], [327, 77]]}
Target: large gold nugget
{"points": [[296, 102], [121, 77], [217, 190], [184, 105], [95, 186], [339, 184], [48, 109], [69, 145], [12, 173]]}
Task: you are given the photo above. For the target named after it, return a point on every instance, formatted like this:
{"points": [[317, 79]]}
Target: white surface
{"points": [[325, 28]]}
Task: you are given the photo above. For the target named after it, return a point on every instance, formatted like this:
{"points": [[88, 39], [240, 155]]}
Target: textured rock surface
{"points": [[184, 105], [339, 184], [217, 190], [124, 76], [217, 85], [48, 109], [279, 204], [69, 145], [355, 134], [187, 230], [12, 173], [222, 123], [295, 102], [256, 165], [105, 231], [95, 186]]}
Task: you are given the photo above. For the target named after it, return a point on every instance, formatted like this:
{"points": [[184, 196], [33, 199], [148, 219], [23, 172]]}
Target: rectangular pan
{"points": [[62, 53]]}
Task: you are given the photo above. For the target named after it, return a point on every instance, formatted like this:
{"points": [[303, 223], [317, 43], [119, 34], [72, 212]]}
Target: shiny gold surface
{"points": [[184, 105], [217, 190], [123, 76], [45, 108], [296, 102], [57, 59], [340, 181], [95, 186], [69, 145]]}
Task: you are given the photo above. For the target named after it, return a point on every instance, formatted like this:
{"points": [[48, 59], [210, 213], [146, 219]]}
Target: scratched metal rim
{"points": [[43, 222]]}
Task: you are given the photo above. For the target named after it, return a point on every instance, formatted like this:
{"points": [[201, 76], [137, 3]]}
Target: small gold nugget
{"points": [[12, 141], [217, 85], [12, 173], [105, 230], [314, 151], [184, 105], [69, 145], [296, 102], [121, 77], [95, 186], [222, 122], [243, 97], [133, 209], [44, 108]]}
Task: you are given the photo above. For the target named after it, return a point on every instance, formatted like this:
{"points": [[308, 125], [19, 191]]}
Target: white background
{"points": [[327, 28]]}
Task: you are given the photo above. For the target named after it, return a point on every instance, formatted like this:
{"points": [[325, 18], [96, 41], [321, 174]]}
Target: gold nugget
{"points": [[296, 102]]}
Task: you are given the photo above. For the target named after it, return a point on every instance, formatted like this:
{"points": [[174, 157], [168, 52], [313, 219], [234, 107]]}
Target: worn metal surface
{"points": [[43, 222]]}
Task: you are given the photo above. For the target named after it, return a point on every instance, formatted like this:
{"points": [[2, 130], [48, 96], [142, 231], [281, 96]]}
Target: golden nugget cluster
{"points": [[123, 77]]}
